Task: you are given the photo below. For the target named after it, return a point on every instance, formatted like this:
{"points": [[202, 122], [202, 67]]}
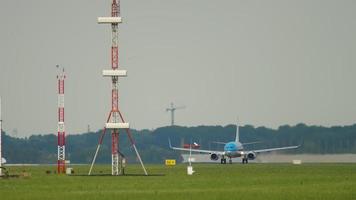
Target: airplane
{"points": [[233, 149]]}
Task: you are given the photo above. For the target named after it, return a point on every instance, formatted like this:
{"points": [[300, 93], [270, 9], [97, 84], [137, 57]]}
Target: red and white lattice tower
{"points": [[113, 122], [61, 168]]}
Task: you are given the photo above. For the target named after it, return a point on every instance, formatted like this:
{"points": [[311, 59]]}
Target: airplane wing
{"points": [[275, 149], [246, 143], [219, 142], [195, 150]]}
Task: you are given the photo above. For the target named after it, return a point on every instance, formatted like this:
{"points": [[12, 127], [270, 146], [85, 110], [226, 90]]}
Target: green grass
{"points": [[211, 181]]}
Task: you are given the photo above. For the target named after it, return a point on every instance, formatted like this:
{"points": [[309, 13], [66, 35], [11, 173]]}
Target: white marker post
{"points": [[190, 170]]}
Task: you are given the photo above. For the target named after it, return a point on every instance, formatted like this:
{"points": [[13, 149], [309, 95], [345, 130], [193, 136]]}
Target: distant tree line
{"points": [[153, 144]]}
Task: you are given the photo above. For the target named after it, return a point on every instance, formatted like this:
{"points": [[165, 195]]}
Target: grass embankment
{"points": [[211, 181]]}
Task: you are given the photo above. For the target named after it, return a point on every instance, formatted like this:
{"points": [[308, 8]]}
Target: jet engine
{"points": [[214, 156], [251, 155]]}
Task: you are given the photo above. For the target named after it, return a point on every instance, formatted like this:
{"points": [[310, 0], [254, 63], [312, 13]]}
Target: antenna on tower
{"points": [[172, 109], [61, 168], [115, 116]]}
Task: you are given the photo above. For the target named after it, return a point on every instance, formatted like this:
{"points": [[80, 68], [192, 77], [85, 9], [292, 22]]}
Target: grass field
{"points": [[211, 181]]}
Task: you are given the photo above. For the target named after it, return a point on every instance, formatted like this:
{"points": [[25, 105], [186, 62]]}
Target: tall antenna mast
{"points": [[172, 109], [113, 122], [61, 168]]}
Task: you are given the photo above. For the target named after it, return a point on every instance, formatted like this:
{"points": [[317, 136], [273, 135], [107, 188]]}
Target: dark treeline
{"points": [[153, 145]]}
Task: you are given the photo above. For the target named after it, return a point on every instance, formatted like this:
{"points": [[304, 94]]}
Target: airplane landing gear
{"points": [[244, 160], [223, 161]]}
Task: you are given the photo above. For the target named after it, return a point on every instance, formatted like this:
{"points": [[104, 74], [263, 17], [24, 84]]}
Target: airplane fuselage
{"points": [[233, 149]]}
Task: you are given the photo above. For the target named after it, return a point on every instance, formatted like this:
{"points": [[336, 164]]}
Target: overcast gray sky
{"points": [[268, 62]]}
